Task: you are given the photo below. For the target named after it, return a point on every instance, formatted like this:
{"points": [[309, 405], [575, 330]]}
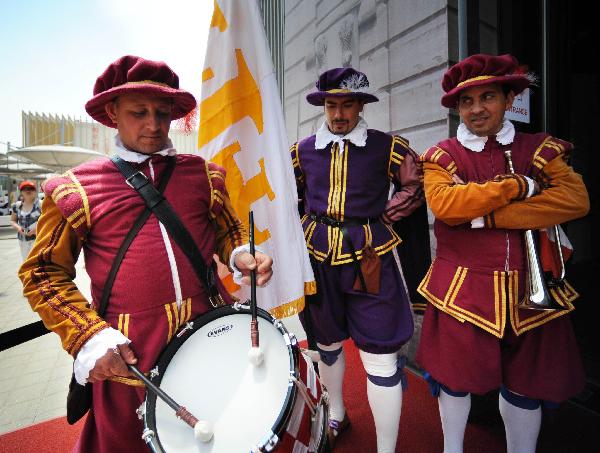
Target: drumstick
{"points": [[254, 354], [202, 429]]}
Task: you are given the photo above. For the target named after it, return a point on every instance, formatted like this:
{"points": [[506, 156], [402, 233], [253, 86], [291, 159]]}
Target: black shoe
{"points": [[336, 428]]}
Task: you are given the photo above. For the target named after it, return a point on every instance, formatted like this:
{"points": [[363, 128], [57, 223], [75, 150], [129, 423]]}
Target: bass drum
{"points": [[276, 406]]}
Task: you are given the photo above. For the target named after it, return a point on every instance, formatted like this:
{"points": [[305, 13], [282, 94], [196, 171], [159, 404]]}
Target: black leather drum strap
{"points": [[162, 209]]}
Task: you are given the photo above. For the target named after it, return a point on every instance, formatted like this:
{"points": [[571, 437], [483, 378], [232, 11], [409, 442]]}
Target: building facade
{"points": [[402, 46], [405, 46], [51, 129]]}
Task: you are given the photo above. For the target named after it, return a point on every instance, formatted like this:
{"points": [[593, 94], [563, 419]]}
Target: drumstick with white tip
{"points": [[203, 429], [255, 355]]}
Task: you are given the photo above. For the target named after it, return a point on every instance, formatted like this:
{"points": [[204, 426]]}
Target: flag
{"points": [[241, 128], [549, 254]]}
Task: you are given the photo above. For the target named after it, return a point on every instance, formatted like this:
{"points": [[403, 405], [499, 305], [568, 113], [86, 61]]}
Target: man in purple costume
{"points": [[344, 173]]}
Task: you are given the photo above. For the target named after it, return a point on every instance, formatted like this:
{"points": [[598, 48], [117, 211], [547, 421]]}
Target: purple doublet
{"points": [[352, 187]]}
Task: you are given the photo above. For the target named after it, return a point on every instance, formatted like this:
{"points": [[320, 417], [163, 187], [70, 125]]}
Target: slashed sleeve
{"points": [[47, 277], [231, 232], [406, 176], [298, 174]]}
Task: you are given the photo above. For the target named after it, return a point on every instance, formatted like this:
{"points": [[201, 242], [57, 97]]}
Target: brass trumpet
{"points": [[538, 297]]}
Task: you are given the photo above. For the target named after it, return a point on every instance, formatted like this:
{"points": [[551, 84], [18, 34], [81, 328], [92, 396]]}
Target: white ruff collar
{"points": [[358, 136], [476, 143], [137, 158]]}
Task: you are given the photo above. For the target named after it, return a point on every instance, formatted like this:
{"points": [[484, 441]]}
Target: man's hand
{"points": [[536, 187], [113, 363], [263, 264]]}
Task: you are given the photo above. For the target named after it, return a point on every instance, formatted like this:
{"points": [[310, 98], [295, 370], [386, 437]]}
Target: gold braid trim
{"points": [[84, 198], [127, 381], [475, 79], [289, 309]]}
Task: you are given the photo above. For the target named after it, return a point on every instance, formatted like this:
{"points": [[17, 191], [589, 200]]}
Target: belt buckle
{"points": [[216, 301], [128, 180]]}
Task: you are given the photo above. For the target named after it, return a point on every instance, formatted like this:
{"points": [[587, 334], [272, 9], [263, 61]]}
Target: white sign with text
{"points": [[520, 108]]}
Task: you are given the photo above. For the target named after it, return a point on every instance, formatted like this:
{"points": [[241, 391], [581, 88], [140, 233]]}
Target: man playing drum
{"points": [[343, 174], [475, 338], [91, 207]]}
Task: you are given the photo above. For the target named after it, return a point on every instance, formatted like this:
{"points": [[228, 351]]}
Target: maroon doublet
{"points": [[474, 337], [102, 209]]}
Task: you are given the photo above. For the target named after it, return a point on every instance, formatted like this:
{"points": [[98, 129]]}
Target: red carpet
{"points": [[565, 430], [420, 428], [52, 436]]}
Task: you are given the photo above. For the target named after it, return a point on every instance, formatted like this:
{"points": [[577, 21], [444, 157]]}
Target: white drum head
{"points": [[211, 376]]}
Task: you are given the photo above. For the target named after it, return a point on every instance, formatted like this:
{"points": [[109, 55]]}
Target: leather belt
{"points": [[352, 221], [342, 224]]}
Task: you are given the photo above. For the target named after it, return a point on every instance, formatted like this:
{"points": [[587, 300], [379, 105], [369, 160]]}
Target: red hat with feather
{"points": [[131, 74], [483, 69]]}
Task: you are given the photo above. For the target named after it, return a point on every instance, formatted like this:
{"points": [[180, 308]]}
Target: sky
{"points": [[51, 52]]}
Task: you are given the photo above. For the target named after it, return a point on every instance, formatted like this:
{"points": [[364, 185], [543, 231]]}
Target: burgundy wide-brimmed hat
{"points": [[340, 82], [482, 69], [130, 74]]}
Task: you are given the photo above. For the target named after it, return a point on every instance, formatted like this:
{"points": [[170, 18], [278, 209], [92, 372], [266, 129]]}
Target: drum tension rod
{"points": [[188, 326]]}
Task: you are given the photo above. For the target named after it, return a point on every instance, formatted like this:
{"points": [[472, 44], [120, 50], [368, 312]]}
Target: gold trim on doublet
{"points": [[506, 290]]}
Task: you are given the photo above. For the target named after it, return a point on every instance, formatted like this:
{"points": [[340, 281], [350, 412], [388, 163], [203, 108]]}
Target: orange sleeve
{"points": [[564, 199], [47, 277], [230, 231], [455, 203]]}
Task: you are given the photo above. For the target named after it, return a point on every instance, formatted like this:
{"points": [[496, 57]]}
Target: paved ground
{"points": [[34, 376]]}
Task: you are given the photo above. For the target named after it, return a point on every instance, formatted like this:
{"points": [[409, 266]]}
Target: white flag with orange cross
{"points": [[241, 128]]}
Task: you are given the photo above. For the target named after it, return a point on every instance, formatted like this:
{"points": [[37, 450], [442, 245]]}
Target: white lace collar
{"points": [[358, 136], [505, 136], [137, 158]]}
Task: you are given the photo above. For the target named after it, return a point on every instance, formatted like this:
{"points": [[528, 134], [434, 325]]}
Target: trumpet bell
{"points": [[542, 299], [538, 296], [550, 305]]}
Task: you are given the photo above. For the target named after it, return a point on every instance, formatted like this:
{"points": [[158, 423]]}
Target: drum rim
{"points": [[177, 341]]}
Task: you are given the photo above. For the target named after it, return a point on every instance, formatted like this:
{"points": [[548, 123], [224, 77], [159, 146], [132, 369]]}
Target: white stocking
{"points": [[333, 379], [385, 402], [386, 405], [454, 412], [522, 426]]}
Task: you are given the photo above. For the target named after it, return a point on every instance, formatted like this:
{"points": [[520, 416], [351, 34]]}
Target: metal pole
{"points": [[545, 65], [463, 43]]}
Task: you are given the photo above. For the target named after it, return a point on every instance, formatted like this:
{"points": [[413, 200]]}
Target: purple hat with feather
{"points": [[341, 82]]}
